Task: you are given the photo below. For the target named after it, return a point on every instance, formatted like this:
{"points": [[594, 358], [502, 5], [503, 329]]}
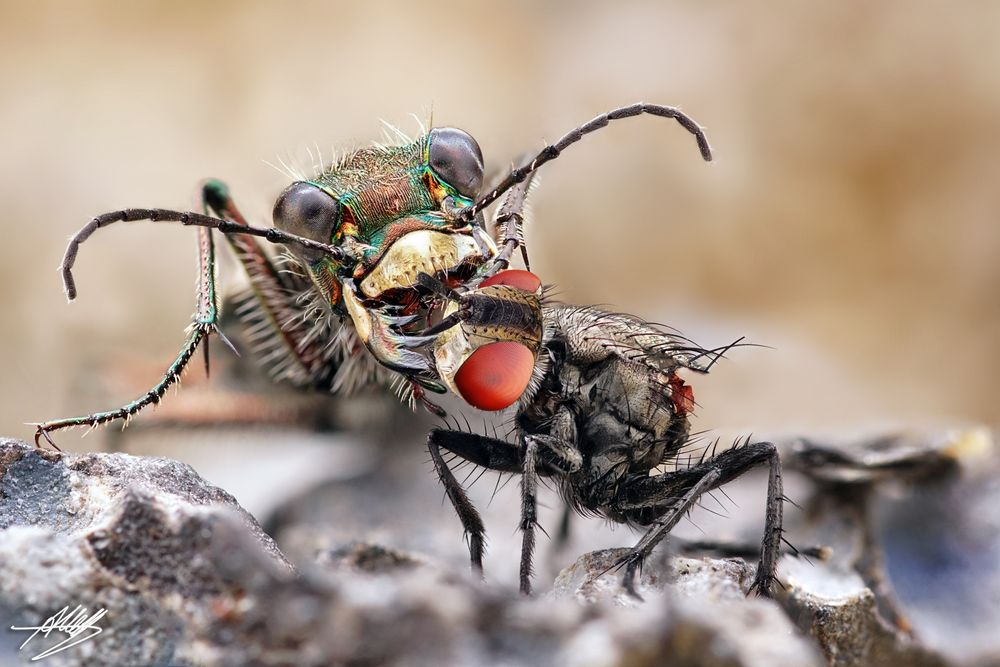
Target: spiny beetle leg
{"points": [[198, 333], [205, 322], [509, 230], [271, 313], [420, 394]]}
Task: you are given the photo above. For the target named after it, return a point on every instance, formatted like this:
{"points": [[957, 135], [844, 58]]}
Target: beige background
{"points": [[849, 220]]}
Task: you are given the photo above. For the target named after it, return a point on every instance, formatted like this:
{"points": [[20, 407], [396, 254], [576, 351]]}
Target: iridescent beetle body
{"points": [[391, 210], [377, 199], [392, 238]]}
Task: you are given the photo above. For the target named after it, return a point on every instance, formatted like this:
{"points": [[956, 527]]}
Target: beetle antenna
{"points": [[553, 151], [272, 234]]}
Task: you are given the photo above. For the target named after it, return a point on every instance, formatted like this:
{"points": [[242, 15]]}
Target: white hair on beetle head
{"points": [[289, 167], [420, 123], [393, 134]]}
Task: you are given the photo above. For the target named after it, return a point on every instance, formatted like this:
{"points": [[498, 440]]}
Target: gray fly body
{"points": [[607, 409]]}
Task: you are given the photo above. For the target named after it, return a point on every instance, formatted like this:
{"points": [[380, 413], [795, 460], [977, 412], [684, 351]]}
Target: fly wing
{"points": [[592, 335]]}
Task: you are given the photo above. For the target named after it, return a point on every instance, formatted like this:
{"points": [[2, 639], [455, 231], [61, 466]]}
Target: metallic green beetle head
{"points": [[388, 208], [391, 210]]}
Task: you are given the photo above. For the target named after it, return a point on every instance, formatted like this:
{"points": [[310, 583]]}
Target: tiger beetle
{"points": [[359, 234], [388, 251]]}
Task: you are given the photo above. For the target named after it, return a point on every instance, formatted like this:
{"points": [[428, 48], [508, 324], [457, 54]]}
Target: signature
{"points": [[75, 623]]}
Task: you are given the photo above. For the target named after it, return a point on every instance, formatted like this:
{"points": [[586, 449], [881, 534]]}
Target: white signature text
{"points": [[74, 623]]}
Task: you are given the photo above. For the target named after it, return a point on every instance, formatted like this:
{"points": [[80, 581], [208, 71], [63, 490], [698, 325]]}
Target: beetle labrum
{"points": [[393, 256]]}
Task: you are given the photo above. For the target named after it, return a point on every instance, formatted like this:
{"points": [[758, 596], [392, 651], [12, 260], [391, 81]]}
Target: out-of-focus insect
{"points": [[393, 238]]}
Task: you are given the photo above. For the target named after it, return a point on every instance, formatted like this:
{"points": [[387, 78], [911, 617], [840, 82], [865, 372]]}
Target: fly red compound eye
{"points": [[519, 278], [495, 375]]}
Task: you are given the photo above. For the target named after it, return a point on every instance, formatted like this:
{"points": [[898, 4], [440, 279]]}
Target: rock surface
{"points": [[187, 578], [709, 618], [144, 538], [190, 579]]}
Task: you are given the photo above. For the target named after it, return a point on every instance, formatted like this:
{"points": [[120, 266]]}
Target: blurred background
{"points": [[849, 220]]}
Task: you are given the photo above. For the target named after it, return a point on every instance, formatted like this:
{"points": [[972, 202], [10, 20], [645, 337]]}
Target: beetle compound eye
{"points": [[456, 159], [519, 278], [305, 210], [495, 375]]}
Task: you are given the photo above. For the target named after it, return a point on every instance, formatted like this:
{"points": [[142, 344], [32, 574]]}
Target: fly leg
{"points": [[635, 557], [480, 450], [644, 499], [541, 455], [564, 532], [529, 512], [540, 450]]}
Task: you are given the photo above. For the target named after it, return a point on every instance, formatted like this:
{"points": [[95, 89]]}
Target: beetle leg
{"points": [[420, 394], [271, 311], [509, 228], [204, 322], [275, 310]]}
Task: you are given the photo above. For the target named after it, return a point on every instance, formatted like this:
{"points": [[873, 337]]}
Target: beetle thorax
{"points": [[379, 185]]}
